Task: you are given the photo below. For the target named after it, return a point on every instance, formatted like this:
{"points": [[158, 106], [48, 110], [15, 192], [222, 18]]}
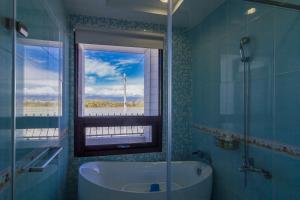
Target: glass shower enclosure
{"points": [[6, 102], [31, 56], [242, 58]]}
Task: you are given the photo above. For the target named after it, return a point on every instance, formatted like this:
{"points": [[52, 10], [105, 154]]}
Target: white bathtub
{"points": [[131, 180]]}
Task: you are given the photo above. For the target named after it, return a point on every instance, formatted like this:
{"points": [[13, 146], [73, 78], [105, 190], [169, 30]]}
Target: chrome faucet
{"points": [[203, 156], [248, 166]]}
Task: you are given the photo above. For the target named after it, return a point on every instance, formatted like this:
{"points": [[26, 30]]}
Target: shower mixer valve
{"points": [[248, 166]]}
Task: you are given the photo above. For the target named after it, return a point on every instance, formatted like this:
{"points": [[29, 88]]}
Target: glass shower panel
{"points": [[207, 69], [236, 46], [6, 100], [38, 100]]}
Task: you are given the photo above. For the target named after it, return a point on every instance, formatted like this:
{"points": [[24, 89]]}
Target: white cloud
{"points": [[100, 68], [37, 60], [39, 81], [115, 90], [128, 61], [40, 91], [34, 72], [90, 80]]}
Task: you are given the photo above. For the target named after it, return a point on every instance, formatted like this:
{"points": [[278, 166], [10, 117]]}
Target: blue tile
{"points": [[261, 109], [286, 177], [287, 105], [231, 106], [287, 41]]}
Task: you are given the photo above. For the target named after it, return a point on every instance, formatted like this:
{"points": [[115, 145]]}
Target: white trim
{"points": [[120, 49], [37, 42], [169, 121], [114, 31]]}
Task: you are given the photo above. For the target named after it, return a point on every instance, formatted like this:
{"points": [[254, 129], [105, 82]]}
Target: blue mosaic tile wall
{"points": [[181, 94], [217, 96]]}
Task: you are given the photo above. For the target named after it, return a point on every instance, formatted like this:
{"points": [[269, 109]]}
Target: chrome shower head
{"points": [[243, 41]]}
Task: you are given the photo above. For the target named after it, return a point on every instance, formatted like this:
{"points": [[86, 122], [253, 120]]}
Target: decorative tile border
{"points": [[267, 144]]}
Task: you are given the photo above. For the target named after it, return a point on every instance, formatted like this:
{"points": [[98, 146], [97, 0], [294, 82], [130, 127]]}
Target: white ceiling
{"points": [[189, 14]]}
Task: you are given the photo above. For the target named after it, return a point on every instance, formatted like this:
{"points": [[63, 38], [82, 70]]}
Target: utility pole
{"points": [[124, 95]]}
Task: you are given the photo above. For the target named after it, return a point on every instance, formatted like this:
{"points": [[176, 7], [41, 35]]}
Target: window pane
{"points": [[117, 135], [118, 81], [40, 85], [37, 134], [114, 83]]}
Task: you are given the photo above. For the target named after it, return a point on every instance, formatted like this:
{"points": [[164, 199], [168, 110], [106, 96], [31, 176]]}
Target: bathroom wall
{"points": [[181, 94], [217, 97]]}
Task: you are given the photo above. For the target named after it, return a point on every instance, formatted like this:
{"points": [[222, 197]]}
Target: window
{"points": [[118, 99]]}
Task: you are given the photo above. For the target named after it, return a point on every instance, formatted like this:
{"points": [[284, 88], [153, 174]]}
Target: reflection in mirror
{"points": [[39, 89], [39, 78]]}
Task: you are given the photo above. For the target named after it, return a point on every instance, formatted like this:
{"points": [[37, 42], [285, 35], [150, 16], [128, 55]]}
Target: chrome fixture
{"points": [[243, 42], [248, 163], [248, 166], [31, 165], [246, 69], [203, 156]]}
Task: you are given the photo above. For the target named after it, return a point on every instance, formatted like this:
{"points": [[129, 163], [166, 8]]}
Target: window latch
{"points": [[123, 146]]}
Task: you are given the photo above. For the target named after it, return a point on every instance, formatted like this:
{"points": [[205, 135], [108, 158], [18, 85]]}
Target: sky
{"points": [[104, 73], [41, 70]]}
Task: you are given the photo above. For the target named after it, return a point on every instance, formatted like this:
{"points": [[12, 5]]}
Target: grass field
{"points": [[91, 108]]}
